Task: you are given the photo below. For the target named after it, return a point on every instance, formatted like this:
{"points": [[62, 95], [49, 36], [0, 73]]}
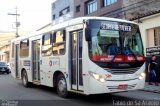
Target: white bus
{"points": [[75, 56]]}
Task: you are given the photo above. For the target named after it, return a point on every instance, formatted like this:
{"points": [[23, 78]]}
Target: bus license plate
{"points": [[123, 86]]}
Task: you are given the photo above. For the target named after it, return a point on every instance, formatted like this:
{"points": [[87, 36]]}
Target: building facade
{"points": [[137, 8], [62, 10], [146, 13], [106, 8], [5, 53]]}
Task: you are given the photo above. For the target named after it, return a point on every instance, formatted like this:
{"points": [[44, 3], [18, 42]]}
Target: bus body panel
{"points": [[49, 65], [26, 68]]}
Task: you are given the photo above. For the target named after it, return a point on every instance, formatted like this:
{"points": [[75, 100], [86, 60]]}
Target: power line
{"points": [[131, 7]]}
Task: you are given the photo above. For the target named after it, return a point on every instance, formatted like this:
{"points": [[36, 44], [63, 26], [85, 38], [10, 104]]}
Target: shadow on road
{"points": [[101, 99], [94, 100], [98, 99]]}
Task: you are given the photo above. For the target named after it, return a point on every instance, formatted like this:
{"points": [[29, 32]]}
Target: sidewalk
{"points": [[151, 88]]}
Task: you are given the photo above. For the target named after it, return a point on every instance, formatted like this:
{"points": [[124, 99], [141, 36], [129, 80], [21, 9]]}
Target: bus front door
{"points": [[76, 60], [36, 60], [17, 60]]}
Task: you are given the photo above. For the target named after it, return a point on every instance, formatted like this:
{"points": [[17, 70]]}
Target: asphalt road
{"points": [[13, 93]]}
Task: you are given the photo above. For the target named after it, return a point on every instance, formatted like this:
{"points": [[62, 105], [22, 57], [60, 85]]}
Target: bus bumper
{"points": [[97, 87]]}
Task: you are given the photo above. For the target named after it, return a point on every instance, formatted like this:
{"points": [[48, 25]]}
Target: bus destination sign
{"points": [[109, 26]]}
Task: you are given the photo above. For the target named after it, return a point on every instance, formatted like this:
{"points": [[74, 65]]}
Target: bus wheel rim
{"points": [[62, 86]]}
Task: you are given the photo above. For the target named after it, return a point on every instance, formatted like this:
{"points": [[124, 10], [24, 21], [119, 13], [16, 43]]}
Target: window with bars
{"points": [[78, 8], [64, 11], [108, 2], [91, 6], [157, 36]]}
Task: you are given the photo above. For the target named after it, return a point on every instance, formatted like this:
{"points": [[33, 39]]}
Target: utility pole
{"points": [[16, 23]]}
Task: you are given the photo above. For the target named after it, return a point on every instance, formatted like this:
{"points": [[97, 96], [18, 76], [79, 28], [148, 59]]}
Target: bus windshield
{"points": [[115, 42]]}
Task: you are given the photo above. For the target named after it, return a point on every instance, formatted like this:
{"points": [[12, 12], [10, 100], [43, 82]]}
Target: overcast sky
{"points": [[33, 14]]}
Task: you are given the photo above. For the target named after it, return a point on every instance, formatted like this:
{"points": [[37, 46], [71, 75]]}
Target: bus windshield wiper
{"points": [[117, 53]]}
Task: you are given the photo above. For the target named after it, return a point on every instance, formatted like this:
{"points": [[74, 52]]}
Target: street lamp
{"points": [[16, 23]]}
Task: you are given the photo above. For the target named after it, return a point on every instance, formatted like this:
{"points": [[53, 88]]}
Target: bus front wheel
{"points": [[62, 86]]}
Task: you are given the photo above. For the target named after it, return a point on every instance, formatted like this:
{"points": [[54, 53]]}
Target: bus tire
{"points": [[62, 86], [25, 79]]}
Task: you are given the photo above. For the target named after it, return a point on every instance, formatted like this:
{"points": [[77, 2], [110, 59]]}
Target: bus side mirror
{"points": [[88, 34]]}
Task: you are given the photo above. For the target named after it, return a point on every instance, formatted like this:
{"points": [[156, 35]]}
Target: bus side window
{"points": [[24, 48], [46, 44], [59, 42]]}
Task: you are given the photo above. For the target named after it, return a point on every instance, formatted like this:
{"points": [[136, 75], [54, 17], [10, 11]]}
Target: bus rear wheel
{"points": [[25, 79], [62, 86]]}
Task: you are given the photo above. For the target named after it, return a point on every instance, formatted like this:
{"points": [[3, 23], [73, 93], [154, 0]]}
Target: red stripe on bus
{"points": [[118, 58]]}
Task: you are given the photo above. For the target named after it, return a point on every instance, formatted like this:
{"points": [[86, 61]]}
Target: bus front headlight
{"points": [[97, 76], [142, 76]]}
